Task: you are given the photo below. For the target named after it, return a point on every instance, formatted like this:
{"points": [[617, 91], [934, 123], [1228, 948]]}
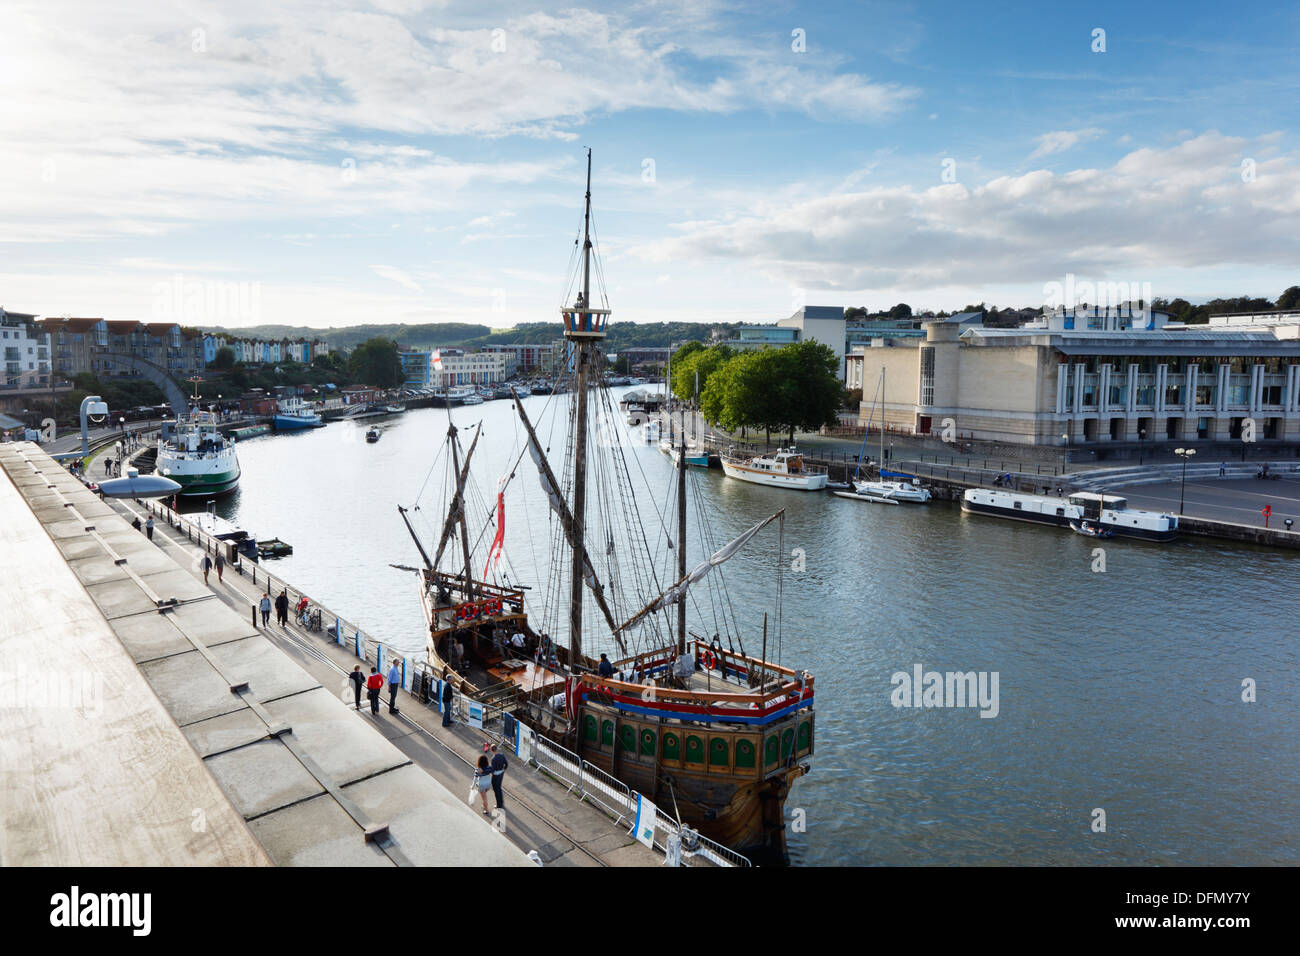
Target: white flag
{"points": [[437, 359]]}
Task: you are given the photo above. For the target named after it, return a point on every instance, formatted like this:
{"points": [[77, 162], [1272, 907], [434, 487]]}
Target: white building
{"points": [[472, 368], [26, 350]]}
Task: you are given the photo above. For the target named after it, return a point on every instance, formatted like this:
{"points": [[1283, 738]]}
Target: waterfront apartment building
{"points": [[25, 345], [1090, 376], [109, 348], [471, 368], [417, 366], [528, 359]]}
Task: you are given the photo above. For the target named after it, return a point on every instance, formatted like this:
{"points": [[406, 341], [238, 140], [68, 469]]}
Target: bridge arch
{"points": [[154, 373]]}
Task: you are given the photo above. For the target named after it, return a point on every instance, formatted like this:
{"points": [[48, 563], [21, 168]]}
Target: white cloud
{"points": [[1061, 140], [1185, 207], [394, 274]]}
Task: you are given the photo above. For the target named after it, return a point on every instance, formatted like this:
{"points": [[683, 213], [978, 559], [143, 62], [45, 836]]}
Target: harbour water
{"points": [[1118, 689]]}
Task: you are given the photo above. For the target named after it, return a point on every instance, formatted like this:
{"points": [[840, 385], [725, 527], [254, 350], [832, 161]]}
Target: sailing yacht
{"points": [[711, 734], [891, 486]]}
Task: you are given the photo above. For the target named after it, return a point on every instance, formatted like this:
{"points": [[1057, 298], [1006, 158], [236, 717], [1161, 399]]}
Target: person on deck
{"points": [[606, 669]]}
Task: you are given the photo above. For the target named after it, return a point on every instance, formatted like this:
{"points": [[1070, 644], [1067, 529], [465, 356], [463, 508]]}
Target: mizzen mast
{"points": [[584, 326]]}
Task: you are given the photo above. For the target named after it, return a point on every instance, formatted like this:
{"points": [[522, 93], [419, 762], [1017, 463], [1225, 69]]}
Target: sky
{"points": [[334, 163]]}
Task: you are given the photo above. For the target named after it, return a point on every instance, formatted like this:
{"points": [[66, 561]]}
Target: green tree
{"points": [[1289, 299], [375, 362], [225, 358], [900, 311], [699, 363]]}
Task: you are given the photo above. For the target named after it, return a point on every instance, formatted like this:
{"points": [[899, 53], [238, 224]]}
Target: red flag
{"points": [[499, 541]]}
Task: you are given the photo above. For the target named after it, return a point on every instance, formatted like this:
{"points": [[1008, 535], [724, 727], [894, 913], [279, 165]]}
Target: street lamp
{"points": [[1142, 434], [1184, 454]]}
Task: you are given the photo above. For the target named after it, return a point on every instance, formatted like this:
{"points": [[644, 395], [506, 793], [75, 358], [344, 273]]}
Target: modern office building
{"points": [[470, 368], [816, 323], [527, 359], [416, 367], [1091, 376]]}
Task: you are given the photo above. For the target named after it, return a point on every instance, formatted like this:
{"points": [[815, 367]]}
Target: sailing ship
{"points": [[711, 734]]}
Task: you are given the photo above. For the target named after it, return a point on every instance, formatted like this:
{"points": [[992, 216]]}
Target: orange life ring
{"points": [[707, 659]]}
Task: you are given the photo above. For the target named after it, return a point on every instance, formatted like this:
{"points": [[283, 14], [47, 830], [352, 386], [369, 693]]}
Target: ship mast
{"points": [[584, 326], [681, 534]]}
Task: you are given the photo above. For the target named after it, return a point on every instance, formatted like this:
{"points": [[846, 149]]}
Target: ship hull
{"points": [[813, 482], [207, 484], [292, 423]]}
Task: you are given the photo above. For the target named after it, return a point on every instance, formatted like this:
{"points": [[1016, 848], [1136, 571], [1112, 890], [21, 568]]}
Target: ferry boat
{"points": [[294, 414], [713, 735], [1099, 511], [785, 469], [193, 453]]}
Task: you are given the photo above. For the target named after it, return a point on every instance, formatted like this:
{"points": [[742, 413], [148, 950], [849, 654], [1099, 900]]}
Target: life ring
{"points": [[493, 606], [708, 660], [460, 612]]}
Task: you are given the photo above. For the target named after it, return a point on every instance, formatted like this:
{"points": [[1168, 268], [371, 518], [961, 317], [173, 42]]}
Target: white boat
{"points": [[1103, 512], [473, 398], [785, 469], [217, 527], [194, 454], [892, 490], [395, 409], [650, 431]]}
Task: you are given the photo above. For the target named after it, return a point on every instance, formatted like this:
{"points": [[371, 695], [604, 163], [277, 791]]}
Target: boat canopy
{"points": [[897, 474]]}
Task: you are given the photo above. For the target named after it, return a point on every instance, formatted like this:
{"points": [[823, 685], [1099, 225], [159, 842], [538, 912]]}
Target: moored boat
{"points": [[193, 453], [293, 414], [784, 469], [1107, 512]]}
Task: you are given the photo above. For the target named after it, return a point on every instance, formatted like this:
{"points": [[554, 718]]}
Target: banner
{"points": [[644, 826], [498, 542], [476, 714]]}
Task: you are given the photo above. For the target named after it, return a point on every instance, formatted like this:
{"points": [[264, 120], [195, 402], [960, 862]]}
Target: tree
{"points": [[375, 362], [699, 363], [812, 386], [1289, 299], [901, 311], [225, 358]]}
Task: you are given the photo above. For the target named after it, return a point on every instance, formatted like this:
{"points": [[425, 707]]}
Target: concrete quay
{"points": [[189, 738], [260, 711]]}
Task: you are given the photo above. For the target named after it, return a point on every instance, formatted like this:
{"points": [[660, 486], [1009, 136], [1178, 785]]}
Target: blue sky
{"points": [[415, 161]]}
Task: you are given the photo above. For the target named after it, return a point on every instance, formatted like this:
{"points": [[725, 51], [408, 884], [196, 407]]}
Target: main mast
{"points": [[584, 327]]}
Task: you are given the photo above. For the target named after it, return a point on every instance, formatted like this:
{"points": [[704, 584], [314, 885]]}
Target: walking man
{"points": [[207, 566], [374, 684], [394, 682], [1223, 468], [499, 765], [265, 606], [282, 609], [446, 703], [357, 679], [221, 558], [148, 529]]}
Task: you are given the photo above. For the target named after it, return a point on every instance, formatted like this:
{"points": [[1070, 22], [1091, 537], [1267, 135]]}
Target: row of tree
{"points": [[788, 389], [373, 362]]}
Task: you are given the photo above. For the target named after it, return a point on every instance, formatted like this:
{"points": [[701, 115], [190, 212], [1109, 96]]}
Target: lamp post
{"points": [[1142, 434], [1184, 454]]}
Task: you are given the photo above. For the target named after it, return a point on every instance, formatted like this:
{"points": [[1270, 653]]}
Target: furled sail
{"points": [[677, 591], [561, 509]]}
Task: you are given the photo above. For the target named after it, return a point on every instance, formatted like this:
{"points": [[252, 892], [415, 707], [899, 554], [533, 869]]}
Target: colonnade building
{"points": [[1089, 376]]}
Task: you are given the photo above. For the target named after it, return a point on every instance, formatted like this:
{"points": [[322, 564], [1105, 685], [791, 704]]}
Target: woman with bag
{"points": [[482, 781]]}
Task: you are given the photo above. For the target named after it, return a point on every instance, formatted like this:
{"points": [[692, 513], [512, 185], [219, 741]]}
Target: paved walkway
{"points": [[1239, 502], [540, 815]]}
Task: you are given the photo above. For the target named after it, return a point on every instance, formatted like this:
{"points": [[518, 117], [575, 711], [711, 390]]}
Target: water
{"points": [[1119, 690]]}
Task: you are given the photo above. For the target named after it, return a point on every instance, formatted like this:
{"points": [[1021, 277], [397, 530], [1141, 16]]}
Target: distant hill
{"points": [[622, 335]]}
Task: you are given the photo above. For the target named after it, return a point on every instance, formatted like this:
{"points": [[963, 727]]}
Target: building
{"points": [[417, 365], [361, 394], [75, 344], [470, 368], [1092, 376], [812, 323], [646, 358], [527, 359], [26, 346]]}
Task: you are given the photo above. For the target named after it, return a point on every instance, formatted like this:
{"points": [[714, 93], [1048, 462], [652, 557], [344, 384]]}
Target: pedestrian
{"points": [[207, 566], [265, 606], [1223, 468], [483, 780], [148, 529], [282, 609], [135, 523], [374, 684], [446, 702], [357, 679], [499, 766], [394, 682], [221, 558], [108, 467]]}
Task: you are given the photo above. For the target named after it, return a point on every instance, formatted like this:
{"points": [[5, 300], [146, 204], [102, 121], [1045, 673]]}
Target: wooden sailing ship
{"points": [[711, 734]]}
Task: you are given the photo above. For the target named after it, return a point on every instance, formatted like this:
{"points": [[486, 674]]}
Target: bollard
{"points": [[254, 617]]}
